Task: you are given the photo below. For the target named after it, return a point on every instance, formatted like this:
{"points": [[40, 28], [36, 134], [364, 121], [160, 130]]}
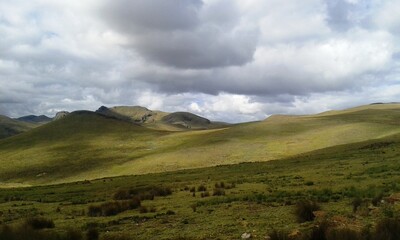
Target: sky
{"points": [[227, 60]]}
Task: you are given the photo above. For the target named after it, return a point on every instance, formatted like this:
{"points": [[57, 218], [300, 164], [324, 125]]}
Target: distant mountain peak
{"points": [[35, 119]]}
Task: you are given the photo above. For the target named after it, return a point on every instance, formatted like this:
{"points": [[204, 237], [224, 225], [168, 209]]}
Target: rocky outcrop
{"points": [[60, 115]]}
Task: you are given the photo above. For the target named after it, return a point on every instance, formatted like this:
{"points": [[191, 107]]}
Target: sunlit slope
{"points": [[87, 145]]}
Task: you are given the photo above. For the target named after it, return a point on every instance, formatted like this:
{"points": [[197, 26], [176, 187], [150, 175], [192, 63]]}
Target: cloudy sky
{"points": [[230, 60]]}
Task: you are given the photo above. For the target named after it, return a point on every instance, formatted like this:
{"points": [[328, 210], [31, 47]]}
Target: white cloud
{"points": [[227, 60]]}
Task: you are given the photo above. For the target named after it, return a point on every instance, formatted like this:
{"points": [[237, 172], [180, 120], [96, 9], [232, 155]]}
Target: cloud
{"points": [[184, 34], [228, 60]]}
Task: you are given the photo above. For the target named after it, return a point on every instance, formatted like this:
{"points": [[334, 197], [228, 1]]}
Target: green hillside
{"points": [[255, 198], [10, 127], [87, 145]]}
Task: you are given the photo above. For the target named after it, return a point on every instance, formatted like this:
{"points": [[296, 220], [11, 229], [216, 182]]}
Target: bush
{"points": [[376, 200], [387, 229], [122, 195], [194, 207], [205, 194], [278, 235], [94, 211], [113, 208], [192, 189], [149, 193], [39, 223], [356, 203], [218, 192], [309, 183], [73, 234], [304, 210], [170, 212], [201, 188], [92, 234], [318, 232], [25, 232], [343, 234], [220, 185], [110, 208], [143, 209]]}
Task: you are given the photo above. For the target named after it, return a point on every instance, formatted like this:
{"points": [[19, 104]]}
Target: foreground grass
{"points": [[257, 197]]}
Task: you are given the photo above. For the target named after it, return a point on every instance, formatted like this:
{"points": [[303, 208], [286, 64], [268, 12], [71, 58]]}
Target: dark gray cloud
{"points": [[152, 15], [339, 14], [184, 34]]}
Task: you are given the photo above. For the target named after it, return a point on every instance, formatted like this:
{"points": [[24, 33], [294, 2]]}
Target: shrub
{"points": [[220, 185], [201, 188], [356, 203], [218, 192], [309, 183], [110, 208], [192, 189], [113, 208], [149, 193], [278, 235], [304, 210], [170, 212], [92, 234], [25, 232], [39, 223], [122, 195], [318, 232], [94, 211], [377, 199], [161, 191], [143, 209], [205, 194], [387, 229], [134, 203], [343, 234], [73, 234], [194, 207], [153, 209]]}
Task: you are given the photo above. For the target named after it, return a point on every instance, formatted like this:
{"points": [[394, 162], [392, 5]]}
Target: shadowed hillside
{"points": [[35, 119], [10, 127]]}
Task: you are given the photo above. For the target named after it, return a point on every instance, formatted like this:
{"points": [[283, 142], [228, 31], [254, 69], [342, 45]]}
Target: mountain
{"points": [[10, 127], [177, 121], [34, 119], [87, 145]]}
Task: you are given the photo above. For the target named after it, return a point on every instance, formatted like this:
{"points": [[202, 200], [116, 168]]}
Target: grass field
{"points": [[258, 197]]}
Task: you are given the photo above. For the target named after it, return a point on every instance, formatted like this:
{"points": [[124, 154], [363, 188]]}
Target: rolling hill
{"points": [[10, 127], [88, 145], [35, 119]]}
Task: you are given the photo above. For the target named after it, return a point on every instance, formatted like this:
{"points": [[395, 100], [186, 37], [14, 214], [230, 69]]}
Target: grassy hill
{"points": [[10, 127], [87, 145], [255, 198]]}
